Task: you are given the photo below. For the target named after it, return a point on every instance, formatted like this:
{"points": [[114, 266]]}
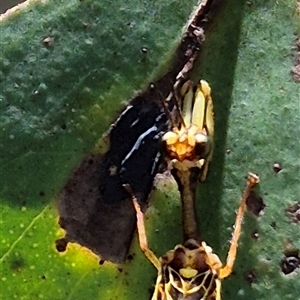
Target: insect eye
{"points": [[201, 138], [201, 149]]}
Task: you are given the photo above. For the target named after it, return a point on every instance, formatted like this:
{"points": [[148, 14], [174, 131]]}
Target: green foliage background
{"points": [[57, 101]]}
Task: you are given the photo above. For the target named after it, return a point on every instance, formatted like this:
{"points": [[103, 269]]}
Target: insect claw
{"points": [[253, 178]]}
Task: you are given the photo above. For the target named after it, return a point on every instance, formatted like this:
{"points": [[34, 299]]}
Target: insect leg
{"points": [[203, 117], [187, 105], [227, 269], [141, 230]]}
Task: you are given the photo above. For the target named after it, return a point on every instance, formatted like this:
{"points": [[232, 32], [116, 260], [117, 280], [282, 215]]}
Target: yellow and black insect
{"points": [[191, 271], [189, 146]]}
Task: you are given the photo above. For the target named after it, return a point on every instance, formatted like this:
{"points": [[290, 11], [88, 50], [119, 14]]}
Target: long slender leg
{"points": [[227, 269], [141, 230]]}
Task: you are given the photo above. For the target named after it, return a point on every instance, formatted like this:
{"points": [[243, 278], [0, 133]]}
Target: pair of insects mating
{"points": [[191, 270]]}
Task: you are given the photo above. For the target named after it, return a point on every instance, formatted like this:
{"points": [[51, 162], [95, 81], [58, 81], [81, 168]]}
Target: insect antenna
{"points": [[173, 98]]}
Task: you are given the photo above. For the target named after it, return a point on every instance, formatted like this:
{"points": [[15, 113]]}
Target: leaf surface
{"points": [[59, 95]]}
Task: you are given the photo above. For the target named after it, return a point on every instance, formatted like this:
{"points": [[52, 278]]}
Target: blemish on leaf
{"points": [[255, 203], [273, 225], [290, 262], [293, 212], [130, 257], [295, 72], [277, 167], [99, 179], [250, 276], [17, 264], [255, 235], [101, 262], [48, 41], [61, 245], [151, 87]]}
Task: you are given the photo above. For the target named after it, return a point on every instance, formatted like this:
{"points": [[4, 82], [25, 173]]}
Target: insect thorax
{"points": [[185, 275]]}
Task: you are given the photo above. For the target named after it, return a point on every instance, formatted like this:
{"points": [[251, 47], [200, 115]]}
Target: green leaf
{"points": [[59, 97], [257, 122], [66, 68]]}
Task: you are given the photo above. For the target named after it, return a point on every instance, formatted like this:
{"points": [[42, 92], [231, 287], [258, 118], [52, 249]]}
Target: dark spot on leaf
{"points": [[130, 257], [17, 264], [48, 41], [277, 167], [151, 87], [250, 276], [273, 225], [61, 245], [43, 277], [42, 194], [255, 203], [120, 270], [255, 235], [293, 211], [63, 126], [101, 262], [290, 262]]}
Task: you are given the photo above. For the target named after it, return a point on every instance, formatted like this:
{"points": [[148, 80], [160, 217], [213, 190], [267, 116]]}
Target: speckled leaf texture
{"points": [[67, 68]]}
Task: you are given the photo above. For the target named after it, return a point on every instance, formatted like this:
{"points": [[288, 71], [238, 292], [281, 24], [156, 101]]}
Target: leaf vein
{"points": [[23, 234]]}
